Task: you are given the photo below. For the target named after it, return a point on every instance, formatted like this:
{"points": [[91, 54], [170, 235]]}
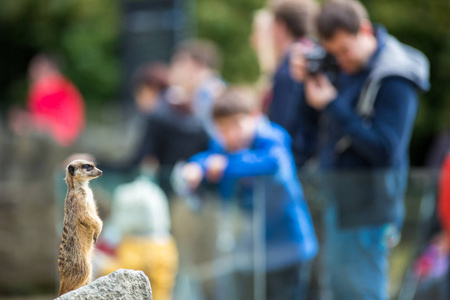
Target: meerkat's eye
{"points": [[88, 167]]}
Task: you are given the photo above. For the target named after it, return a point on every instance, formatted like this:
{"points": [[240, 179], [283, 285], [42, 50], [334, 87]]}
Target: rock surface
{"points": [[121, 284]]}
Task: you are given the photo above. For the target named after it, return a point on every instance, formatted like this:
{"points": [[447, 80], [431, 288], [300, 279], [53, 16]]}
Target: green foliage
{"points": [[228, 23], [83, 32], [424, 25]]}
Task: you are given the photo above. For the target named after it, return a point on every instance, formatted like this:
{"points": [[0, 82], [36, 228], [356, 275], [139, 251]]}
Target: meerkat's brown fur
{"points": [[82, 227]]}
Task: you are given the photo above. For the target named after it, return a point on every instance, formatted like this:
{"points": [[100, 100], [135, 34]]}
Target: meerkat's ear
{"points": [[71, 170]]}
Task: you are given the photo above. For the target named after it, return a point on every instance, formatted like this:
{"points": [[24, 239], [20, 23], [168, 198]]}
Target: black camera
{"points": [[318, 60]]}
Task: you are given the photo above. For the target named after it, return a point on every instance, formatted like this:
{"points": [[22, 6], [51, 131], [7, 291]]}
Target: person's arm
{"points": [[395, 110], [305, 136], [195, 170], [254, 162], [245, 163], [200, 158]]}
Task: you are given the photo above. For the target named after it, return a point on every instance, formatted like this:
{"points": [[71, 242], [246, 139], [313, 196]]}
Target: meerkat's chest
{"points": [[89, 196], [88, 200]]}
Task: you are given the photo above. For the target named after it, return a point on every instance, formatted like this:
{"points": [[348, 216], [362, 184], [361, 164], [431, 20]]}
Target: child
{"points": [[137, 236], [251, 146]]}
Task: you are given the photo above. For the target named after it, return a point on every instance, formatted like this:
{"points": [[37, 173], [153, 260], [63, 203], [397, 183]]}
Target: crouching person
{"points": [[254, 153]]}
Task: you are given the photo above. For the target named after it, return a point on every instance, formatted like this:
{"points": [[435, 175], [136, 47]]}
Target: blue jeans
{"points": [[357, 259]]}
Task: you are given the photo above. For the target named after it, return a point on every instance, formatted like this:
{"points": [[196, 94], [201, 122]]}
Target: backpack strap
{"points": [[364, 108], [366, 102]]}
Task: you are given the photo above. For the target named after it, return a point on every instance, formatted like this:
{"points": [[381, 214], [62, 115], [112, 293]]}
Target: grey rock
{"points": [[121, 284]]}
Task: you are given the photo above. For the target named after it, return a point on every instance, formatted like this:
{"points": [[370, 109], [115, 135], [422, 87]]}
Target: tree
{"points": [[83, 32], [228, 23]]}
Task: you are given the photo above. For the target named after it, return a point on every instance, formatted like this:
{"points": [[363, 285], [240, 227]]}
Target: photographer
{"points": [[370, 114], [292, 22]]}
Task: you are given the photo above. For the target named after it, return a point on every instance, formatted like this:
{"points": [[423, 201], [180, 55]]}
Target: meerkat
{"points": [[81, 228]]}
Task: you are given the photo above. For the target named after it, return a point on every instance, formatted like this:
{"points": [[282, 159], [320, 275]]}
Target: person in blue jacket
{"points": [[369, 116], [252, 150]]}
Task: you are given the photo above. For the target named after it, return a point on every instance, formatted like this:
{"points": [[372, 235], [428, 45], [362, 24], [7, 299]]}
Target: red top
{"points": [[444, 196], [57, 107]]}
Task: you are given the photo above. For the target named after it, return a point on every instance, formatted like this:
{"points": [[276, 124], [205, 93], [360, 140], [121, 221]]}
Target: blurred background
{"points": [[102, 43], [98, 46]]}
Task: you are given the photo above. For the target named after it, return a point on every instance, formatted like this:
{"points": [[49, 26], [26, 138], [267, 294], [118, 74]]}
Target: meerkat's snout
{"points": [[98, 172]]}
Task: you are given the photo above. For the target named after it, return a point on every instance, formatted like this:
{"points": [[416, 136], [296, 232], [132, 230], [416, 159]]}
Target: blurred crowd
{"points": [[337, 93]]}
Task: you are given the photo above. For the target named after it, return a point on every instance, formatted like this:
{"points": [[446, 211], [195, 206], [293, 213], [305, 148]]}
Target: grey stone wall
{"points": [[28, 241]]}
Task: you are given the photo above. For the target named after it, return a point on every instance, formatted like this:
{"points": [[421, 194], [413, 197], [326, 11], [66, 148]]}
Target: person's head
{"points": [[235, 115], [292, 20], [149, 81], [43, 65], [347, 33], [191, 60]]}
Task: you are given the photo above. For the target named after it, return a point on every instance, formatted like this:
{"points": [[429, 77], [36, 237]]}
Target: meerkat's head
{"points": [[82, 170]]}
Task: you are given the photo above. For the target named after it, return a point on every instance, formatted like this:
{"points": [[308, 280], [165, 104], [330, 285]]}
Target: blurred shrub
{"points": [[228, 23], [424, 25], [83, 32]]}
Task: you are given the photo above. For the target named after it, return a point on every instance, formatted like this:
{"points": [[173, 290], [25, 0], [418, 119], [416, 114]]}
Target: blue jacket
{"points": [[365, 153], [289, 232], [287, 96]]}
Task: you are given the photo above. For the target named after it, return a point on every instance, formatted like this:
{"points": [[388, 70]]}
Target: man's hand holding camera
{"points": [[319, 91], [305, 67]]}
